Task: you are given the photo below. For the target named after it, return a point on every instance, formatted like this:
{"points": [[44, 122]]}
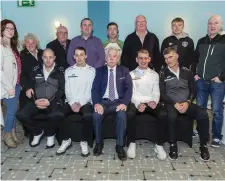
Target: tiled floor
{"points": [[26, 163]]}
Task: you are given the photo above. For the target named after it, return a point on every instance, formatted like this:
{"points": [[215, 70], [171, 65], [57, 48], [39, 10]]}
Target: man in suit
{"points": [[111, 93], [60, 46]]}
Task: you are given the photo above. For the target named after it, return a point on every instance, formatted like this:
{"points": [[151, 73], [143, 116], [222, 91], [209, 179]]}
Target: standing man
{"points": [[177, 89], [111, 93], [141, 38], [79, 79], [184, 44], [210, 75], [60, 46], [113, 41], [92, 44]]}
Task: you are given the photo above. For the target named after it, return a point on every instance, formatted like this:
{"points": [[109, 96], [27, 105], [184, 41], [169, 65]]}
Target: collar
{"points": [[90, 37], [50, 69], [173, 71], [145, 33], [75, 66], [114, 68], [36, 51], [184, 35]]}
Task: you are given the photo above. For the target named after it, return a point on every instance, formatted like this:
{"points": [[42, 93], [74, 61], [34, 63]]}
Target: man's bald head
{"points": [[49, 51], [48, 57], [62, 34], [61, 28], [141, 23], [215, 25]]}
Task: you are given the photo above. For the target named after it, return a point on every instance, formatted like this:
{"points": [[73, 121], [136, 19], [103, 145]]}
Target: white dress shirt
{"points": [[47, 73], [145, 86], [106, 95], [78, 84]]}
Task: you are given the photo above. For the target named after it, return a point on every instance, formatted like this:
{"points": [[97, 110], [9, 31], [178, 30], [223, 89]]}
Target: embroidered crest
{"points": [[185, 43]]}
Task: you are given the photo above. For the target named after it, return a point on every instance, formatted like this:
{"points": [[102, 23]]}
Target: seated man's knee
{"points": [[21, 116], [56, 116], [202, 114], [97, 116], [121, 115]]}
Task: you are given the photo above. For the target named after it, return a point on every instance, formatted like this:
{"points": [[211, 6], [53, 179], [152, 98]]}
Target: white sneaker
{"points": [[64, 146], [50, 141], [161, 154], [36, 140], [84, 148], [131, 151]]}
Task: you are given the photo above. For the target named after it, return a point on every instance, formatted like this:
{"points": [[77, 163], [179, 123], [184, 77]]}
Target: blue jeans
{"points": [[216, 92], [11, 109]]}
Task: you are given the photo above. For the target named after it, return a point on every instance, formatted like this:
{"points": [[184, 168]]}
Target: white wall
{"points": [[40, 19], [160, 14]]}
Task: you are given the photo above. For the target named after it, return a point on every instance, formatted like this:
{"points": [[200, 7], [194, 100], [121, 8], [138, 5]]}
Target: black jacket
{"points": [[133, 44], [29, 62], [210, 57], [60, 52], [185, 49], [52, 89], [173, 90]]}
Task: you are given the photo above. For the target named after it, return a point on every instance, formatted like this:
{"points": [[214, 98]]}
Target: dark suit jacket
{"points": [[123, 83], [60, 52]]}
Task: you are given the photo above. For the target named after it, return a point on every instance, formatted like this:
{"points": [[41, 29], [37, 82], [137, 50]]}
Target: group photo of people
{"points": [[123, 78]]}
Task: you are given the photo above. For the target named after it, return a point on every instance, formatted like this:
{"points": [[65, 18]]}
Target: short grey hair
{"points": [[30, 36]]}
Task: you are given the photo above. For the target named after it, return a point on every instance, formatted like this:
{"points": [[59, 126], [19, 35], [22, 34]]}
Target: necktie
{"points": [[64, 46], [111, 86]]}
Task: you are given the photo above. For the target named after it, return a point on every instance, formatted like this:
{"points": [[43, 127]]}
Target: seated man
{"points": [[79, 79], [177, 87], [146, 100], [45, 88], [111, 93]]}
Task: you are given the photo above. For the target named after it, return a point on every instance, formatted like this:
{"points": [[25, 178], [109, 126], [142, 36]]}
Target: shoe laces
{"points": [[216, 140], [84, 146]]}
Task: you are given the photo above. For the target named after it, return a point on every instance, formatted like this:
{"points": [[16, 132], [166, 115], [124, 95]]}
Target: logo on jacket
{"points": [[185, 43], [170, 44]]}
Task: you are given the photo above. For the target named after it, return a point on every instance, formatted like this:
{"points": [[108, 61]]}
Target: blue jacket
{"points": [[123, 83]]}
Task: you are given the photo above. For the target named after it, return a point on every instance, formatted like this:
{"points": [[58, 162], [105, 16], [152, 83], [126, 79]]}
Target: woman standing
{"points": [[10, 79], [31, 58]]}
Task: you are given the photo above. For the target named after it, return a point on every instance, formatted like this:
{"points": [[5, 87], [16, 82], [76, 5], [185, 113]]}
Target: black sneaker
{"points": [[194, 134], [215, 143], [173, 152], [204, 153], [98, 149], [121, 153]]}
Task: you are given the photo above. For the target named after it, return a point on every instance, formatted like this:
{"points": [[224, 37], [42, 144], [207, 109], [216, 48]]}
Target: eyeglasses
{"points": [[141, 21], [9, 29]]}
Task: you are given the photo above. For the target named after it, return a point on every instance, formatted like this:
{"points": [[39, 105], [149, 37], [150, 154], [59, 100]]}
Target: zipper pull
{"points": [[212, 49]]}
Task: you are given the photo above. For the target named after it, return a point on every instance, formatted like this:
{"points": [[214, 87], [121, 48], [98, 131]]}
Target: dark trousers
{"points": [[121, 121], [159, 113], [193, 112], [86, 112], [53, 115]]}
